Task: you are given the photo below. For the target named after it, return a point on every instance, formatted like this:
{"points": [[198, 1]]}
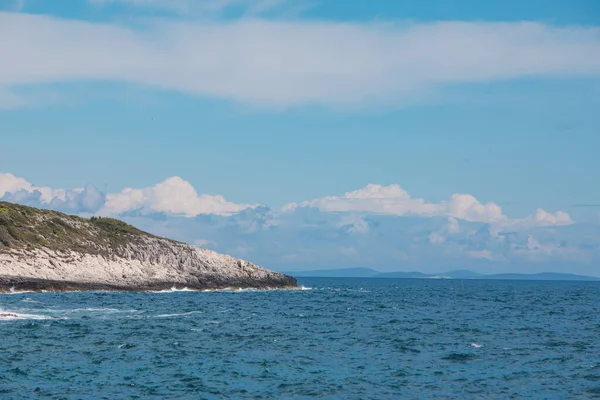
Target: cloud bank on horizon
{"points": [[176, 196], [377, 226]]}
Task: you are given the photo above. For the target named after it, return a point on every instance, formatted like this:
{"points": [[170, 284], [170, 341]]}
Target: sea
{"points": [[339, 338]]}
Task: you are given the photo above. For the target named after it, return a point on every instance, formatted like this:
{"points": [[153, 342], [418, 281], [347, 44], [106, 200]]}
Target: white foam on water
{"points": [[179, 314], [15, 291], [90, 309], [172, 290], [6, 315], [235, 290], [477, 346], [361, 290], [226, 290]]}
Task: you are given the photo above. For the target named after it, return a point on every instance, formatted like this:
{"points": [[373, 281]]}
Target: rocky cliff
{"points": [[47, 250]]}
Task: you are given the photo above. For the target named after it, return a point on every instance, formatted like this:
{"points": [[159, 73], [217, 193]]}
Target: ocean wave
{"points": [[178, 314], [29, 300], [90, 309], [6, 315], [172, 290], [15, 291], [226, 290], [242, 290]]}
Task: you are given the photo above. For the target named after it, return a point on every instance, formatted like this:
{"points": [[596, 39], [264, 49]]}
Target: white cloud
{"points": [[173, 196], [394, 200], [309, 237], [290, 63], [10, 184], [543, 218], [18, 190], [177, 196], [539, 219]]}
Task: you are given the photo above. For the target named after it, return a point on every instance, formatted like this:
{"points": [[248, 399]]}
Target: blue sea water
{"points": [[342, 339]]}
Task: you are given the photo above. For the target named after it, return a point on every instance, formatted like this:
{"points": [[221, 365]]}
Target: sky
{"points": [[399, 135]]}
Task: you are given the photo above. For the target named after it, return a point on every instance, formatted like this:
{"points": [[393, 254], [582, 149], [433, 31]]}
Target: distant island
{"points": [[458, 274], [43, 250]]}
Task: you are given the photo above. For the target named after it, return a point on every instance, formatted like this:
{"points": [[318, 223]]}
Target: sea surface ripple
{"points": [[344, 339]]}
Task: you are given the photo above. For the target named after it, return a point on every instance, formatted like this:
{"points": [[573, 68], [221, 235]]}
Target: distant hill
{"points": [[462, 274], [401, 275], [336, 273], [458, 274], [544, 276]]}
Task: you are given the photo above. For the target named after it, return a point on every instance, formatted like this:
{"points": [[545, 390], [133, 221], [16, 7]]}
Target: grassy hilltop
{"points": [[24, 227]]}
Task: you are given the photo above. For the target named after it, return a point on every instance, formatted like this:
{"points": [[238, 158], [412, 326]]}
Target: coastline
{"points": [[15, 285]]}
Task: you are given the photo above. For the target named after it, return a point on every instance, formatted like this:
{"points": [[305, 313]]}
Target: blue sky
{"points": [[280, 103]]}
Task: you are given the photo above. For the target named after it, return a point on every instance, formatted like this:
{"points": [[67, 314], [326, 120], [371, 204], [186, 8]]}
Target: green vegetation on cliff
{"points": [[24, 227]]}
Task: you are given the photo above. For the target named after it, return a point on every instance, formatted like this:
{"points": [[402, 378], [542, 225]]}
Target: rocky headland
{"points": [[43, 250]]}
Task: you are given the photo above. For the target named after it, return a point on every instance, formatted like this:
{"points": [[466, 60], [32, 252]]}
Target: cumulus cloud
{"points": [[172, 196], [19, 190], [176, 196], [541, 218], [322, 236], [10, 184], [394, 200], [290, 63]]}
